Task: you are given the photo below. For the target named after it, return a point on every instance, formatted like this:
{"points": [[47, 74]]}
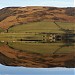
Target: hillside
{"points": [[11, 57], [21, 15], [37, 36]]}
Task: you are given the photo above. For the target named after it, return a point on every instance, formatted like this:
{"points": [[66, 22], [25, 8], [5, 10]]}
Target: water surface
{"points": [[35, 71]]}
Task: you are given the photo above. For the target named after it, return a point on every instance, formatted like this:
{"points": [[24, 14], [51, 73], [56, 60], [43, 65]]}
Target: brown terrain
{"points": [[12, 57], [11, 16], [20, 15]]}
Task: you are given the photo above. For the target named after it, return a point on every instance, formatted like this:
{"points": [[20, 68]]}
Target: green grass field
{"points": [[41, 27], [42, 48], [1, 30], [32, 30], [16, 36], [1, 43]]}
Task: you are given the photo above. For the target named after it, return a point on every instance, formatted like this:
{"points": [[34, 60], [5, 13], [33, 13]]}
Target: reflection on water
{"points": [[38, 49], [38, 54]]}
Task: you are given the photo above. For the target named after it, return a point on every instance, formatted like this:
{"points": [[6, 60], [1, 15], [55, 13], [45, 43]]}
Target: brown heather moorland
{"points": [[20, 15], [11, 57], [11, 16]]}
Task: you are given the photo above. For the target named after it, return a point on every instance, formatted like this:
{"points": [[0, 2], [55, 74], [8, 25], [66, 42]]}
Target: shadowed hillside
{"points": [[20, 15]]}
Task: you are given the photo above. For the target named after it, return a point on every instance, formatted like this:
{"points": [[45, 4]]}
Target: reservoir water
{"points": [[5, 70]]}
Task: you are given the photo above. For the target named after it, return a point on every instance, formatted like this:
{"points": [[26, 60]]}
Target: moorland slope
{"points": [[20, 15]]}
